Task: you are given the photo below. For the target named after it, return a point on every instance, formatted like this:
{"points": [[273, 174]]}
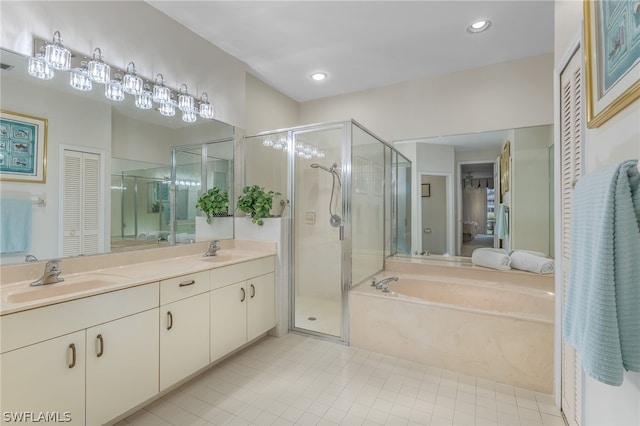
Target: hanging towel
{"points": [[531, 262], [602, 315], [491, 258], [15, 225], [502, 221]]}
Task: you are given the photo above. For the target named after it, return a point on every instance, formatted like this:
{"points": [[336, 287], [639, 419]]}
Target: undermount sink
{"points": [[70, 285]]}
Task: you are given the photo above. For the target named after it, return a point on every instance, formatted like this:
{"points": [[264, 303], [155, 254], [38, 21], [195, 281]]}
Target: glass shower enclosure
{"points": [[341, 182]]}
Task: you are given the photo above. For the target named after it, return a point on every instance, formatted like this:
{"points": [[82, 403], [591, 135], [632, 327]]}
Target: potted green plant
{"points": [[214, 202], [257, 202]]}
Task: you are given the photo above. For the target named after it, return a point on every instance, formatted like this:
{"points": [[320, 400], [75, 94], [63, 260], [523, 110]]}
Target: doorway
{"points": [[477, 207]]}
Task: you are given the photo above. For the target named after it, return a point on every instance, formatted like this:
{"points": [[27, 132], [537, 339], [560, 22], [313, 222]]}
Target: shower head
{"points": [[318, 166]]}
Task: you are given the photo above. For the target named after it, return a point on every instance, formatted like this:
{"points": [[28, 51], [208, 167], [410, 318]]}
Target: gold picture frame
{"points": [[612, 58], [23, 147]]}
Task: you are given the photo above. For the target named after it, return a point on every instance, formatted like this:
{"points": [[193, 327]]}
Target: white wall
{"points": [[266, 108], [616, 140], [133, 31], [502, 96]]}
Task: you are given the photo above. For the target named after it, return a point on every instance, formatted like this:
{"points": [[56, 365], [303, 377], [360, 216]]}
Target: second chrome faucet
{"points": [[51, 274], [213, 249]]}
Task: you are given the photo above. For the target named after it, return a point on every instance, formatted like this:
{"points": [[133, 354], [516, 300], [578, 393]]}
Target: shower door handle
{"points": [[341, 232]]}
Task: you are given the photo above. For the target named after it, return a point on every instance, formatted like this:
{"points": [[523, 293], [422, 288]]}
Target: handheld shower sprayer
{"points": [[334, 219]]}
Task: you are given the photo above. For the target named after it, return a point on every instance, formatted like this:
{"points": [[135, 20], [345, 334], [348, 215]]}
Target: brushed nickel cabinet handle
{"points": [[73, 355], [187, 283], [169, 320], [244, 295], [253, 291], [101, 342]]}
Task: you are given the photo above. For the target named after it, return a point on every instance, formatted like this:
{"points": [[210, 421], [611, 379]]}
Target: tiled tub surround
{"points": [[492, 324]]}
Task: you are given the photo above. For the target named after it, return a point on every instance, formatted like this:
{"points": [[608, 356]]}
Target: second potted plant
{"points": [[257, 202]]}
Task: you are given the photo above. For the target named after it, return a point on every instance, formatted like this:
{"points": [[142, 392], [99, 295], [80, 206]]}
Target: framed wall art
{"points": [[426, 190], [612, 57], [23, 147]]}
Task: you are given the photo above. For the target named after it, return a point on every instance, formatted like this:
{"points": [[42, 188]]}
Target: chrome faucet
{"points": [[213, 249], [30, 258], [51, 274], [383, 284]]}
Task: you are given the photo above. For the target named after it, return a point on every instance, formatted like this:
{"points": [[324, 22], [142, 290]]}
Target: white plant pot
{"points": [[220, 228]]}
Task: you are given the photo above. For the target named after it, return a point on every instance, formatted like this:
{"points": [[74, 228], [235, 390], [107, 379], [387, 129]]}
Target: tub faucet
{"points": [[213, 249], [383, 284], [51, 274]]}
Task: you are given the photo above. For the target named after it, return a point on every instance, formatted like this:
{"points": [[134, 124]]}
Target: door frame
{"points": [[449, 209]]}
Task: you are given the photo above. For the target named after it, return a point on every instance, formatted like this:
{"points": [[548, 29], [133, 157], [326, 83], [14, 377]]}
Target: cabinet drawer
{"points": [[183, 286], [226, 275]]}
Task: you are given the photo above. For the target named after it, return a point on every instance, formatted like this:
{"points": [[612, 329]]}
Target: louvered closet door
{"points": [[571, 124], [81, 203]]}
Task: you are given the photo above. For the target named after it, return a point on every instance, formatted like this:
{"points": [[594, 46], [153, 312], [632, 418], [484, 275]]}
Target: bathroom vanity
{"points": [[104, 341]]}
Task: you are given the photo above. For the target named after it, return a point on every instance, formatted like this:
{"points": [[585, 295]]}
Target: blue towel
{"points": [[15, 225], [602, 315]]}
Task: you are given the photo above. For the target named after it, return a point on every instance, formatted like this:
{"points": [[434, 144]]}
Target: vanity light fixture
{"points": [[85, 72], [479, 26], [79, 78], [39, 68], [144, 100], [131, 83], [56, 55], [98, 70], [319, 76], [206, 109], [161, 93], [113, 89], [267, 141], [185, 100]]}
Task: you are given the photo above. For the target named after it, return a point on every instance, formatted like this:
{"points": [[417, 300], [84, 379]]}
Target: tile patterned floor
{"points": [[297, 380]]}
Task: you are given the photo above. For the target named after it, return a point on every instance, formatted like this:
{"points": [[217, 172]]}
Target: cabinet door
{"points": [[261, 311], [122, 365], [184, 338], [228, 319], [46, 378]]}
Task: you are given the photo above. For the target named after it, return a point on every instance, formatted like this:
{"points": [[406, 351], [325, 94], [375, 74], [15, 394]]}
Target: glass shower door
{"points": [[318, 230]]}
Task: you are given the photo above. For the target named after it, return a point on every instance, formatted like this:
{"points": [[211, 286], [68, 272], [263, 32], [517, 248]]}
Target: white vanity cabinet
{"points": [[242, 304], [45, 377], [184, 327], [122, 365], [49, 361]]}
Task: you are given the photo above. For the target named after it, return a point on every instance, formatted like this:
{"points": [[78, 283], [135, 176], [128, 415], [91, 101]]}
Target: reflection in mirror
{"points": [[139, 204], [88, 123], [458, 205], [194, 177]]}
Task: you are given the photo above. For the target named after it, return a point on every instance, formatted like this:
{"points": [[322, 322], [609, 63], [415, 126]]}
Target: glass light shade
{"points": [[79, 79], [186, 102], [168, 109], [39, 68], [267, 142], [206, 109], [161, 93], [189, 116], [131, 83], [143, 101], [113, 90], [56, 55], [320, 154], [99, 72], [278, 145]]}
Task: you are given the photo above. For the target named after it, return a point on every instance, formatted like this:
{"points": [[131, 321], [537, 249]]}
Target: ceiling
{"points": [[364, 44]]}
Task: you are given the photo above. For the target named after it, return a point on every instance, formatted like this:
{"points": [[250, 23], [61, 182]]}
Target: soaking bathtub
{"points": [[491, 324]]}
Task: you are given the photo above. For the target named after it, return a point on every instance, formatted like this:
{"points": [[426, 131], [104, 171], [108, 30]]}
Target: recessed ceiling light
{"points": [[319, 76], [479, 26]]}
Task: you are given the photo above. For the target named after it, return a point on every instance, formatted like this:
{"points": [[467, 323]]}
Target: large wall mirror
{"points": [[458, 202], [131, 150]]}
